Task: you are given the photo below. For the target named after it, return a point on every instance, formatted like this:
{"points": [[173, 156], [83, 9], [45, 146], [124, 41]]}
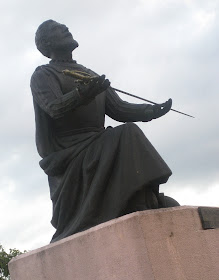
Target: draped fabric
{"points": [[93, 172]]}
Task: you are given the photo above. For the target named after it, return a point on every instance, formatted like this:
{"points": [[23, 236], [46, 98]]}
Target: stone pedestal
{"points": [[163, 244]]}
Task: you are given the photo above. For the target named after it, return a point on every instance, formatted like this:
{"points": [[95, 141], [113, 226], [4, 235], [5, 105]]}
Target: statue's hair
{"points": [[41, 37]]}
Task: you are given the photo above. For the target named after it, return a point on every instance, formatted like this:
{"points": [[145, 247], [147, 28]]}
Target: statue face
{"points": [[60, 39]]}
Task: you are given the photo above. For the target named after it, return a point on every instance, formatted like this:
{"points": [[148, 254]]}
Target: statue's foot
{"points": [[144, 199], [149, 198], [137, 203], [167, 201]]}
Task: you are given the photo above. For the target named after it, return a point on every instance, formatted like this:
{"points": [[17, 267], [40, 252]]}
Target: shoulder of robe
{"points": [[40, 73], [41, 70]]}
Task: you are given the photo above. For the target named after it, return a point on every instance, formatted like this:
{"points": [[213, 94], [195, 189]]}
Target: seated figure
{"points": [[95, 173]]}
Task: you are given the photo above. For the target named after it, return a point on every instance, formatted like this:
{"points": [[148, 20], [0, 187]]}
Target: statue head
{"points": [[53, 37]]}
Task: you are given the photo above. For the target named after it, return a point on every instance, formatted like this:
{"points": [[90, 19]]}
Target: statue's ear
{"points": [[46, 46], [46, 43]]}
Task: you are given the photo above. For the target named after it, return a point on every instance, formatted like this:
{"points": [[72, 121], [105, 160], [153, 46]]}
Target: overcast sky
{"points": [[156, 49]]}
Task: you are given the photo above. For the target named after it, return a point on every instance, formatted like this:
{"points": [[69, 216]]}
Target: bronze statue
{"points": [[95, 173]]}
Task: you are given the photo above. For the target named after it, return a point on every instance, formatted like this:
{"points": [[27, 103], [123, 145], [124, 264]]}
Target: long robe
{"points": [[93, 172]]}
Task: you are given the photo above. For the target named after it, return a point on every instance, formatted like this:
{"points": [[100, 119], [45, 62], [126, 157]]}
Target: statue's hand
{"points": [[94, 87], [161, 109]]}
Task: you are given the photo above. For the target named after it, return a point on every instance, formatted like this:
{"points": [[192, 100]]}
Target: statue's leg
{"points": [[145, 199], [149, 198]]}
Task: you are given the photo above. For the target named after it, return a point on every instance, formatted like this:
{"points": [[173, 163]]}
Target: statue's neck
{"points": [[61, 56]]}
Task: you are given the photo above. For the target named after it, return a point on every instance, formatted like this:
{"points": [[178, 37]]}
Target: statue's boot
{"points": [[167, 201], [149, 198], [144, 199]]}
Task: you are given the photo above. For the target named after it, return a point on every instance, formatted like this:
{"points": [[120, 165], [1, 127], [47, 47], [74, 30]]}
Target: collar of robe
{"points": [[59, 61]]}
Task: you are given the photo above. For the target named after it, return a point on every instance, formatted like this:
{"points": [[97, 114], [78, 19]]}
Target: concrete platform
{"points": [[163, 244]]}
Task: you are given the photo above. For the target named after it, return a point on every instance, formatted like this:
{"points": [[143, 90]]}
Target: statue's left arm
{"points": [[123, 111]]}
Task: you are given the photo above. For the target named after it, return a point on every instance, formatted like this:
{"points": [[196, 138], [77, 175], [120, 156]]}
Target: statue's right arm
{"points": [[48, 95]]}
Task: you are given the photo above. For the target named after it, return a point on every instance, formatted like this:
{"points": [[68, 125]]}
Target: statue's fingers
{"points": [[157, 110], [167, 103], [106, 83], [93, 82], [97, 82], [101, 79], [170, 102], [167, 106]]}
